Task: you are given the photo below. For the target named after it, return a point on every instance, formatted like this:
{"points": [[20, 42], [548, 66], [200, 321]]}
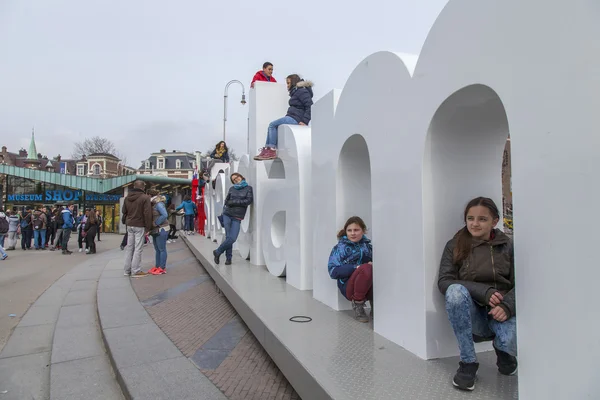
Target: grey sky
{"points": [[150, 74]]}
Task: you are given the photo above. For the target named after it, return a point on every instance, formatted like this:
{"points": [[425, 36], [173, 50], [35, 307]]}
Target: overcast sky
{"points": [[150, 74]]}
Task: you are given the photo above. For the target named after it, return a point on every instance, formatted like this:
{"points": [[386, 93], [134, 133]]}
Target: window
{"points": [[147, 164], [97, 169], [161, 163], [80, 170], [178, 164]]}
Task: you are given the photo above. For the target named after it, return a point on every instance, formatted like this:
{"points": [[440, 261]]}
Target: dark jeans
{"points": [[189, 223], [232, 230], [66, 233], [26, 236], [50, 232], [360, 284], [91, 239], [172, 231]]}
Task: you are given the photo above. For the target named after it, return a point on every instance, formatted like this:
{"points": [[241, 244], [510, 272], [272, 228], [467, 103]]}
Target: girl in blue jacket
{"points": [[189, 208], [351, 264]]}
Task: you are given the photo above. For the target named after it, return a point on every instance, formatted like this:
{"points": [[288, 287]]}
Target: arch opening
{"points": [[463, 159], [278, 229]]}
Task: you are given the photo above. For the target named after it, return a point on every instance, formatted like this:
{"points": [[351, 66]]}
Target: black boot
{"points": [[228, 262], [465, 376], [217, 255], [507, 364]]}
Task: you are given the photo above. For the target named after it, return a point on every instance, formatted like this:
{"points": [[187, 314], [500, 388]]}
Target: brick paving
{"points": [[194, 316]]}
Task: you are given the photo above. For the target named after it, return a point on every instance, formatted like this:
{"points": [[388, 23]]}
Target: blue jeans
{"points": [[160, 248], [2, 236], [468, 318], [39, 237], [232, 230], [272, 132], [189, 223]]}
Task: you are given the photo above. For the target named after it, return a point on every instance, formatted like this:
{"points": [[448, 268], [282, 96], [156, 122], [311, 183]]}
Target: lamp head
{"points": [[243, 99]]}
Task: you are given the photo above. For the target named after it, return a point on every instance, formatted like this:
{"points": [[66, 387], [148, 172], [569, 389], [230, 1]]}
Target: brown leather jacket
{"points": [[489, 268], [137, 210]]}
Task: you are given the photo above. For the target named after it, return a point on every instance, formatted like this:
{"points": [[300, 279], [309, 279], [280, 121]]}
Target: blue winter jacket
{"points": [[224, 158], [188, 206], [301, 102], [67, 219], [345, 257]]}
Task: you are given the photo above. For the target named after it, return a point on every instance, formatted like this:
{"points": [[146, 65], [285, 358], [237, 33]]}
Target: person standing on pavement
{"points": [[89, 229], [100, 223], [190, 212], [13, 229], [39, 223], [26, 229], [50, 228], [137, 215], [58, 222], [159, 232], [68, 225], [4, 226], [81, 233], [172, 222]]}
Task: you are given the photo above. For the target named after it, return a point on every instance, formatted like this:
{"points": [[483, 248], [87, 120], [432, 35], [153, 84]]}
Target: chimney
{"points": [[4, 149], [163, 150], [58, 158], [22, 153]]}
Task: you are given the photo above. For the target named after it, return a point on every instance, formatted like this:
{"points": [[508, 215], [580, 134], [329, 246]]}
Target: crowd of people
{"points": [[48, 228]]}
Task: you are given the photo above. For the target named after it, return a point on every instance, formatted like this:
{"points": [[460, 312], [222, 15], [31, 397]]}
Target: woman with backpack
{"points": [[13, 229], [159, 232]]}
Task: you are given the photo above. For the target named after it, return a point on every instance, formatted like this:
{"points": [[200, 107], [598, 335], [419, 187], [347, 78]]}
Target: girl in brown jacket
{"points": [[477, 276]]}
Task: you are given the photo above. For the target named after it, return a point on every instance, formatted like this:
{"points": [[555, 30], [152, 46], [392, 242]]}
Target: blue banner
{"points": [[64, 196]]}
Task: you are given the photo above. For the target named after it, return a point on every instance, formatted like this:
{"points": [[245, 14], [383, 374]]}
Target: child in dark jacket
{"points": [[299, 113], [351, 264]]}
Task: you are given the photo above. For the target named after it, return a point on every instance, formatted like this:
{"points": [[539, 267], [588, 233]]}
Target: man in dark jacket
{"points": [[67, 227], [299, 113], [26, 229], [137, 215]]}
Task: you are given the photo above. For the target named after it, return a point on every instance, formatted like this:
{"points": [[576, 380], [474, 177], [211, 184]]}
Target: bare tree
{"points": [[94, 145]]}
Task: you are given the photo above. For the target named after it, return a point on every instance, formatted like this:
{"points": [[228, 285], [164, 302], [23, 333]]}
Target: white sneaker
{"points": [[87, 251], [80, 250], [169, 241]]}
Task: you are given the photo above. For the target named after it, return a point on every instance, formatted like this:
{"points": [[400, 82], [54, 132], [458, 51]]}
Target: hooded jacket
{"points": [[159, 215], [489, 268], [345, 257], [68, 220], [301, 102], [13, 222], [137, 210], [188, 206], [261, 77]]}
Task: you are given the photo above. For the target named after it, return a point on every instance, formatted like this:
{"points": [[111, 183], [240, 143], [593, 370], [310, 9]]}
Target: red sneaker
{"points": [[154, 271], [266, 153], [162, 271]]}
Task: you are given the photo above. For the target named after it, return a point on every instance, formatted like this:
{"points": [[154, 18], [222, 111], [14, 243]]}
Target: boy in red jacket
{"points": [[266, 75]]}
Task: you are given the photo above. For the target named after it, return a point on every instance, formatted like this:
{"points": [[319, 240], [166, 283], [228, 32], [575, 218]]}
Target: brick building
{"points": [[102, 165]]}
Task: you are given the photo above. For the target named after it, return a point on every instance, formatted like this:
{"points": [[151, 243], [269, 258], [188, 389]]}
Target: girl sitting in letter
{"points": [[351, 264], [477, 276]]}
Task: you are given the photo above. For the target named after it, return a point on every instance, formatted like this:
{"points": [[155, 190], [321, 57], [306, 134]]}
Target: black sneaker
{"points": [[507, 364], [465, 376], [227, 262], [217, 255]]}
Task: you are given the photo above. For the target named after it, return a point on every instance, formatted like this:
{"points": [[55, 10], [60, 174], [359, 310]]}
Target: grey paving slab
{"points": [[86, 284], [54, 295], [114, 273], [139, 344], [114, 283], [88, 378], [40, 315], [76, 297], [76, 315], [25, 377], [335, 356], [114, 315], [29, 340], [76, 342], [175, 378]]}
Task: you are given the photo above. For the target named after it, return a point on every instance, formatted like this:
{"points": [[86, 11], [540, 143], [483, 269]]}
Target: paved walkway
{"points": [[56, 350], [203, 325]]}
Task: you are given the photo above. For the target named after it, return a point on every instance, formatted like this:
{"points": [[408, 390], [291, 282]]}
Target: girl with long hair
{"points": [[91, 229], [477, 278], [299, 113], [351, 264]]}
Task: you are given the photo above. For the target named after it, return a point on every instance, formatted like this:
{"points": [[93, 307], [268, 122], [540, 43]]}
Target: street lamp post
{"points": [[225, 103]]}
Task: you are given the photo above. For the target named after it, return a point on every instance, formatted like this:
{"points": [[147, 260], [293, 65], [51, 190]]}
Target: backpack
{"points": [[24, 223], [3, 225], [37, 222], [59, 220]]}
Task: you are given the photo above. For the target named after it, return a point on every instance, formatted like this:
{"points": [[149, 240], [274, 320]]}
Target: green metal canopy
{"points": [[85, 183]]}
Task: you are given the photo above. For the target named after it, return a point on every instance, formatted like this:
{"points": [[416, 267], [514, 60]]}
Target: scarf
{"points": [[219, 152], [240, 185]]}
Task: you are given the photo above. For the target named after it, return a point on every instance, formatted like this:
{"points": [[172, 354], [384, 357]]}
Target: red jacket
{"points": [[261, 77]]}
